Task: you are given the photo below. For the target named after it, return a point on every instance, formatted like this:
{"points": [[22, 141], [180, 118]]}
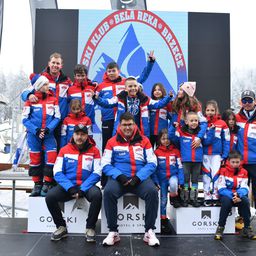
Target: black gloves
{"points": [[38, 131], [46, 131], [73, 190], [81, 193], [123, 179], [134, 181]]}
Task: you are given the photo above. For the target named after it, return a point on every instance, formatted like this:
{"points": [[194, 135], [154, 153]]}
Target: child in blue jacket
{"points": [[233, 191], [191, 156], [169, 174], [215, 153]]}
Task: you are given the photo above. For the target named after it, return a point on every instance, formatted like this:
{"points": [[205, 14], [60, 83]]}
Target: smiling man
{"points": [[76, 170], [246, 137], [129, 161]]}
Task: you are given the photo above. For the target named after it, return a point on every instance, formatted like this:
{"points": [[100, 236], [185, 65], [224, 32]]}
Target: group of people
{"points": [[148, 143]]}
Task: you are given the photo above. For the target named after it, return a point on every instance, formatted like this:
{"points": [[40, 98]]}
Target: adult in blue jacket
{"points": [[76, 170], [129, 161]]}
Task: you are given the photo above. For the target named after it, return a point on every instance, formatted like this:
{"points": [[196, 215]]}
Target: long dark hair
{"points": [[225, 117], [161, 133], [186, 103], [161, 86]]}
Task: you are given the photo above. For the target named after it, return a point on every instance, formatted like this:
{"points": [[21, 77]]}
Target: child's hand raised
{"points": [[171, 94], [151, 56]]}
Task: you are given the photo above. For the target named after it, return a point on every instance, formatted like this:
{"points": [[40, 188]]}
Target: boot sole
{"points": [[58, 239]]}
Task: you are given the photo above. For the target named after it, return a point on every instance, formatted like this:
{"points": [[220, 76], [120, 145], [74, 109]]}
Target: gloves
{"points": [[46, 131], [73, 190], [134, 181], [122, 179], [38, 131], [81, 194]]}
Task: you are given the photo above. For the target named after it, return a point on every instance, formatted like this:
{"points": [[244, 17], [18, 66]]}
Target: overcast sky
{"points": [[16, 50]]}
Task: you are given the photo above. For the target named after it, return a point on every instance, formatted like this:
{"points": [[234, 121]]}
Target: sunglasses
{"points": [[247, 100]]}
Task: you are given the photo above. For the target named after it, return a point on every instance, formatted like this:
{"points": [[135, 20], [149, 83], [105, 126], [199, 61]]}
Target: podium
{"points": [[130, 215], [40, 220], [202, 220]]}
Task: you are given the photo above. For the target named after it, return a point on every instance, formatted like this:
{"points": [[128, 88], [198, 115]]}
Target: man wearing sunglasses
{"points": [[246, 137]]}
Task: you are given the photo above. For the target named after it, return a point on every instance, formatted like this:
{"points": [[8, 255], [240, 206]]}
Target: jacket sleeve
{"points": [[151, 162], [106, 103], [225, 139], [26, 92], [243, 189], [26, 118], [63, 134], [202, 124], [120, 111], [180, 171], [59, 176], [222, 188], [156, 104], [146, 72], [57, 116], [107, 166], [174, 135], [96, 173]]}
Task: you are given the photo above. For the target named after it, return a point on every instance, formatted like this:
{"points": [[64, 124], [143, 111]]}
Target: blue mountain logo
{"points": [[132, 60]]}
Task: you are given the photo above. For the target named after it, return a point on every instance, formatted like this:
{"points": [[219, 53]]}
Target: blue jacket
{"points": [[229, 183], [146, 104], [74, 167], [59, 87], [159, 119], [168, 164], [183, 138], [109, 89], [43, 114], [133, 157], [246, 137], [221, 141]]}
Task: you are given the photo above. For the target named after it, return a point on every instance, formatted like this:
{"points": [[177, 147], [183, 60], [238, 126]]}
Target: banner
{"points": [[127, 36]]}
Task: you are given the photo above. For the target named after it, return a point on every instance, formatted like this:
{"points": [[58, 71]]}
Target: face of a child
{"points": [[75, 109], [235, 162], [80, 77], [210, 110], [164, 140], [157, 92], [192, 121], [45, 88], [112, 73], [231, 122], [180, 94], [132, 87]]}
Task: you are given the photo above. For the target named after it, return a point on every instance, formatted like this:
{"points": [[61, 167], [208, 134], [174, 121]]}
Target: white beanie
{"points": [[42, 80]]}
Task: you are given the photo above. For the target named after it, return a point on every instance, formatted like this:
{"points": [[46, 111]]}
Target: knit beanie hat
{"points": [[189, 88], [38, 84]]}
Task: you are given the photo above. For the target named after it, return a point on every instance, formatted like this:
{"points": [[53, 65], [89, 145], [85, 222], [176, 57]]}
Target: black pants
{"points": [[59, 194], [107, 130], [226, 206], [153, 140], [145, 190], [191, 172]]}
